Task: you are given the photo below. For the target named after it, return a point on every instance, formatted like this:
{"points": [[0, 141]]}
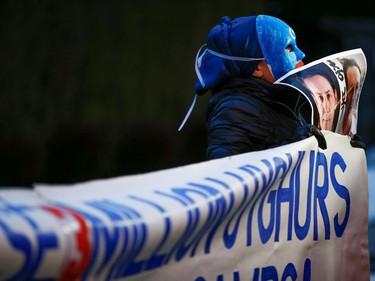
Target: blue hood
{"points": [[233, 50]]}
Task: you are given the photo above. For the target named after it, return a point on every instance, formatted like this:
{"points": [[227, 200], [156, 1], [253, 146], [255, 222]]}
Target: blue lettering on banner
{"points": [[342, 191], [192, 215], [302, 230], [221, 207], [282, 170], [266, 231], [156, 258], [187, 239], [285, 194], [134, 238], [286, 171], [128, 224], [217, 210], [230, 238], [321, 193], [211, 210], [268, 273], [109, 234], [33, 252], [252, 171]]}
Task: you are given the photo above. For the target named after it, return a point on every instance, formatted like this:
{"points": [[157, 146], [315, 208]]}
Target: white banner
{"points": [[295, 212]]}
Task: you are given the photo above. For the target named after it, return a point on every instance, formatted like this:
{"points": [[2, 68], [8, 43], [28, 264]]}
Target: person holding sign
{"points": [[247, 112]]}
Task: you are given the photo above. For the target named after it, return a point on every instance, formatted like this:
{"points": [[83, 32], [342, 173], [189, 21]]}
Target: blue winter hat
{"points": [[235, 47], [233, 50]]}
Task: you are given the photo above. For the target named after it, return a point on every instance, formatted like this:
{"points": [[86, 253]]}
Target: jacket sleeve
{"points": [[235, 126]]}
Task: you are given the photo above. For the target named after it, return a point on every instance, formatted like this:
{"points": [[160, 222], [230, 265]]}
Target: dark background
{"points": [[97, 89]]}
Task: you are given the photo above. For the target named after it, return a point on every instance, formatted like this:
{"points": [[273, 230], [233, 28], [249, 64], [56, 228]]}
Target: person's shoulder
{"points": [[235, 107], [235, 99]]}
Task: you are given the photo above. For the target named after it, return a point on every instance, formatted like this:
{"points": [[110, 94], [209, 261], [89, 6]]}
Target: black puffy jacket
{"points": [[252, 114]]}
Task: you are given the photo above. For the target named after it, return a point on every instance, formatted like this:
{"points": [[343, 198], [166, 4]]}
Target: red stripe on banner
{"points": [[75, 267]]}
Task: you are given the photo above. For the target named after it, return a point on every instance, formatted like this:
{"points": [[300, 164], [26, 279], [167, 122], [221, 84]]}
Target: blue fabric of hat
{"points": [[233, 50]]}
